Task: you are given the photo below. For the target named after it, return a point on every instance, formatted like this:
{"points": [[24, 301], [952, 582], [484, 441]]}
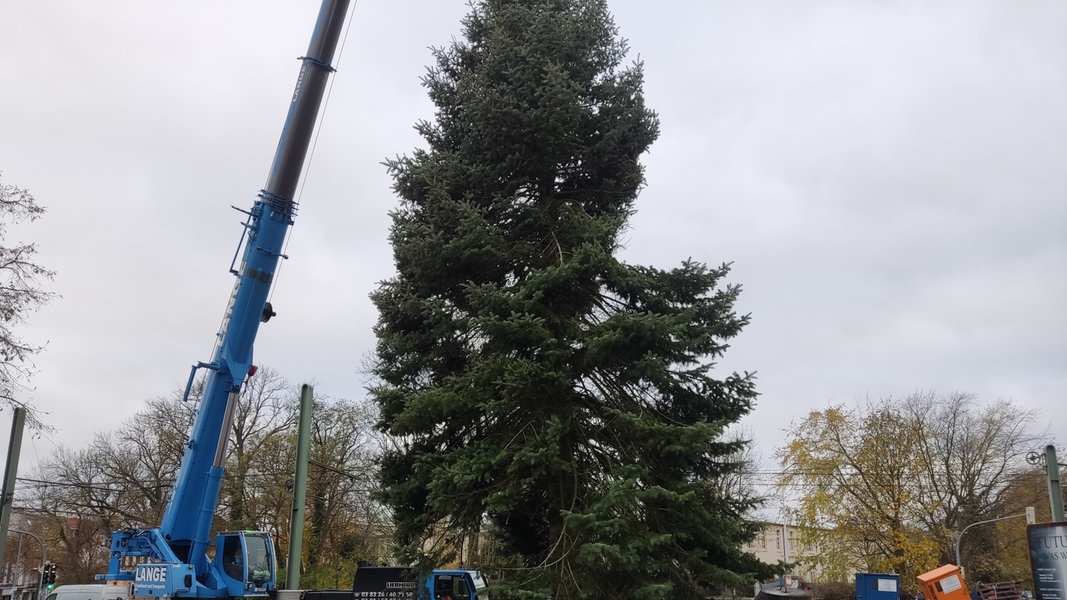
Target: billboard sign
{"points": [[1048, 559]]}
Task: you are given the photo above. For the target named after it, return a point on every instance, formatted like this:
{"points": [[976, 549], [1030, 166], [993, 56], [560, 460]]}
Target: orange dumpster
{"points": [[943, 583]]}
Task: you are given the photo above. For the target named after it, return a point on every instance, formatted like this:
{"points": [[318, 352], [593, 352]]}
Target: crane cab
{"points": [[245, 562]]}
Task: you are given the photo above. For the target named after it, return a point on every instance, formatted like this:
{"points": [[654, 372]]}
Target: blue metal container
{"points": [[877, 586]]}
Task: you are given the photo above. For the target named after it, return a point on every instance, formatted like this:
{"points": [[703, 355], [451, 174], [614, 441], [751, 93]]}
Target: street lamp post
{"points": [[44, 556], [963, 573]]}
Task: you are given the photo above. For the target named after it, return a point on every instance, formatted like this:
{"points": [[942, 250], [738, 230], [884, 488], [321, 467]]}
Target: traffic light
{"points": [[48, 576]]}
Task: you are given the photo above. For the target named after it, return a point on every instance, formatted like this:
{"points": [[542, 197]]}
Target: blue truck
{"points": [[401, 583], [172, 560]]}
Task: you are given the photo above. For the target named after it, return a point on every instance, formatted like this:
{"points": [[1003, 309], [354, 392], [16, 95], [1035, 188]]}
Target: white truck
{"points": [[97, 591]]}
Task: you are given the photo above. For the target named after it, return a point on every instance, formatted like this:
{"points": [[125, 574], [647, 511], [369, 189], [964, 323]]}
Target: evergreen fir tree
{"points": [[539, 388]]}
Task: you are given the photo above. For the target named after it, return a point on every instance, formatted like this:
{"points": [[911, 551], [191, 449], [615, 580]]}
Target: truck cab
{"points": [[481, 585], [246, 561], [456, 585]]}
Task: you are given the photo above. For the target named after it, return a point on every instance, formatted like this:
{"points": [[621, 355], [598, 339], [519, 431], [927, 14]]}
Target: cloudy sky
{"points": [[887, 178]]}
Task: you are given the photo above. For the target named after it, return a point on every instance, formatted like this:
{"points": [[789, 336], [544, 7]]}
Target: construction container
{"points": [[877, 586], [943, 583]]}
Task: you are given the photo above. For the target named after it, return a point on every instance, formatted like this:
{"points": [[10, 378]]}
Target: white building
{"points": [[782, 543]]}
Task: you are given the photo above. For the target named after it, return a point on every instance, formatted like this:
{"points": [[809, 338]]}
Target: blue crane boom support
{"points": [[176, 551]]}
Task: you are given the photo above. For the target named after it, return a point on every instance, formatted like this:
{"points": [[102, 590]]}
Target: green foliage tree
{"points": [[20, 294], [1012, 563], [540, 389], [344, 524]]}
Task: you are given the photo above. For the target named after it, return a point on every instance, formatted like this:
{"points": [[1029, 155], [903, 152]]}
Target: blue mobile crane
{"points": [[172, 560]]}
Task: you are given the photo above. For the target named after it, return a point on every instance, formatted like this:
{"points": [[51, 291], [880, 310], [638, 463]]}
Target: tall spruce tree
{"points": [[540, 389]]}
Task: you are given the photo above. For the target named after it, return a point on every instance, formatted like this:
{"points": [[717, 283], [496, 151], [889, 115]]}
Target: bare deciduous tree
{"points": [[267, 410], [970, 457], [124, 479], [20, 294]]}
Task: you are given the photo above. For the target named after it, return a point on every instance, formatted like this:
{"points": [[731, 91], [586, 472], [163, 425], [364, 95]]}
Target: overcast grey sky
{"points": [[888, 178]]}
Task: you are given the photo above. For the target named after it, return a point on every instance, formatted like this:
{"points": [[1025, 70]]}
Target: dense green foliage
{"points": [[541, 390]]}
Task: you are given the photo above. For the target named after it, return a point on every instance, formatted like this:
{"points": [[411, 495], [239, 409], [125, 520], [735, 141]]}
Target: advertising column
{"points": [[1048, 559]]}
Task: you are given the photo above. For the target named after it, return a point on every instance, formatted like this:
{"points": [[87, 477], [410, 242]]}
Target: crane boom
{"points": [[176, 551]]}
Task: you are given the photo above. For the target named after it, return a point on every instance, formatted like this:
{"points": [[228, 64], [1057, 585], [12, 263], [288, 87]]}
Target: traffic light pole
{"points": [[50, 576]]}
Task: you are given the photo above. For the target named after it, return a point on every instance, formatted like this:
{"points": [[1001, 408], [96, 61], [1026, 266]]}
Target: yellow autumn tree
{"points": [[857, 470], [889, 486]]}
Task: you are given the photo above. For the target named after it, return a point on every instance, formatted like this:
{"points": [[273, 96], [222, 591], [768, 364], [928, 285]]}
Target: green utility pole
{"points": [[1055, 492], [14, 446], [296, 524]]}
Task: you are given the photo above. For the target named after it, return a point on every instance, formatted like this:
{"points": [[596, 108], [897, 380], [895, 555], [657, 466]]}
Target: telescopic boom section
{"points": [[188, 516], [187, 521]]}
